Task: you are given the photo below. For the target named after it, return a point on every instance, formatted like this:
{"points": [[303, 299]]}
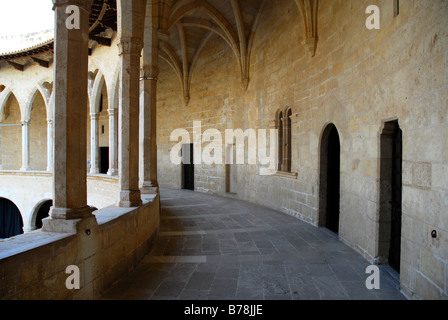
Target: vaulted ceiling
{"points": [[184, 28], [189, 24]]}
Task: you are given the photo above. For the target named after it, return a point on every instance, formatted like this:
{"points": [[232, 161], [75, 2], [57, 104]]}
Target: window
{"points": [[279, 127], [283, 125], [396, 7]]}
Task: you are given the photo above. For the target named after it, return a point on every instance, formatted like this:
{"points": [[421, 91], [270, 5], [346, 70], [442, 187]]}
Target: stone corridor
{"points": [[213, 248]]}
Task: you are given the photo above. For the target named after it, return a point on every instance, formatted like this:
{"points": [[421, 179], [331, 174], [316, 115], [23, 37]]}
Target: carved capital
{"points": [[163, 35], [311, 45], [130, 46], [149, 72], [112, 112]]}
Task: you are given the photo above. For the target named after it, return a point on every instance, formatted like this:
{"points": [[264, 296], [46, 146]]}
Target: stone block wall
{"points": [[358, 80], [103, 247]]}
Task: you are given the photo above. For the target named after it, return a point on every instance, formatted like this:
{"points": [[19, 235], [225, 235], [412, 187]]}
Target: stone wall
{"points": [[11, 146], [28, 190], [103, 247], [359, 79]]}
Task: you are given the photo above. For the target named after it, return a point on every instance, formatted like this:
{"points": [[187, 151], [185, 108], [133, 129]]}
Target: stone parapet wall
{"points": [[103, 247]]}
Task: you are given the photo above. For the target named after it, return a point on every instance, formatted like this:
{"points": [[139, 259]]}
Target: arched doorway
{"points": [[390, 194], [11, 222], [42, 213], [330, 150]]}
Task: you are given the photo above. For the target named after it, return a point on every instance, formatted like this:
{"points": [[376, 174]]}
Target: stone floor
{"points": [[217, 248]]}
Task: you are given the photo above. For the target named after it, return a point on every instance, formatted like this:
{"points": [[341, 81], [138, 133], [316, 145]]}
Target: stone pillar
{"points": [[25, 146], [94, 144], [50, 145], [128, 126], [113, 155], [70, 121], [149, 111], [1, 167]]}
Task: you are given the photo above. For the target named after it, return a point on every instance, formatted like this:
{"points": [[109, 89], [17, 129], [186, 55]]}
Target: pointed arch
{"points": [[330, 177], [38, 130], [95, 93], [11, 136], [4, 97]]}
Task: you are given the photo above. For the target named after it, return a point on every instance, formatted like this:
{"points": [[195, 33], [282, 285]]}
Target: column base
{"points": [[73, 226], [70, 213], [130, 198], [112, 172], [94, 170], [25, 169], [150, 187]]}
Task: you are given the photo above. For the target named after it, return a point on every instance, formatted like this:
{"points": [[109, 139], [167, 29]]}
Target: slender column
{"points": [[149, 111], [25, 146], [70, 121], [1, 167], [94, 144], [128, 126], [50, 144], [113, 156]]}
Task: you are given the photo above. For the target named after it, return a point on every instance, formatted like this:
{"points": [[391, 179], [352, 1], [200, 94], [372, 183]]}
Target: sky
{"points": [[24, 16]]}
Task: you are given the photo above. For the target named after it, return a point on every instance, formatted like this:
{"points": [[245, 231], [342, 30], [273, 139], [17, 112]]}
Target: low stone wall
{"points": [[29, 189], [103, 247]]}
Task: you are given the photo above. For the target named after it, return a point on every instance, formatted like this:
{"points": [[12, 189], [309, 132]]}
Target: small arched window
{"points": [[286, 165], [279, 127], [283, 125]]}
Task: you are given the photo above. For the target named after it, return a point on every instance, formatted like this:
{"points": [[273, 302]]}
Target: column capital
{"points": [[112, 112], [163, 35], [94, 116], [130, 45], [149, 72], [25, 122], [85, 5]]}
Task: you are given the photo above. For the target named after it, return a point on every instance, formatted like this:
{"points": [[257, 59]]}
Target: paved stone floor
{"points": [[216, 248]]}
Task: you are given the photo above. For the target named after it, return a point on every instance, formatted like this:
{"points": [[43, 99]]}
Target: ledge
{"points": [[28, 241], [38, 238], [290, 175]]}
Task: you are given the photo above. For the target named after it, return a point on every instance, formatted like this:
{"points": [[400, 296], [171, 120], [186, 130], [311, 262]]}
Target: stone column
{"points": [[25, 146], [149, 111], [70, 121], [128, 126], [113, 156], [50, 145], [1, 167], [94, 144]]}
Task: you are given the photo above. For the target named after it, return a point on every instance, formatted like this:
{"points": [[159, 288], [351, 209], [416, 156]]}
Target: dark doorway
{"points": [[104, 160], [43, 213], [330, 179], [390, 194], [11, 222], [188, 167]]}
